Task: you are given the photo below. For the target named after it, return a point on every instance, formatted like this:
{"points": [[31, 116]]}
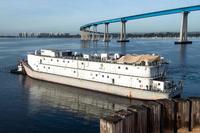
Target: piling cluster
{"points": [[160, 116]]}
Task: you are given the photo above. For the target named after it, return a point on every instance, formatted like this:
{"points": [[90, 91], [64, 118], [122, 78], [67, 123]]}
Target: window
{"points": [[67, 61], [74, 71], [48, 67], [96, 75], [107, 76], [51, 59], [63, 61], [139, 81], [150, 87], [118, 67], [142, 63], [158, 83], [43, 58], [102, 76], [57, 60], [44, 66], [126, 68], [82, 63], [113, 81]]}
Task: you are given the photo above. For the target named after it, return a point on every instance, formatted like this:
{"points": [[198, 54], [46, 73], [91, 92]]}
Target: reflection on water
{"points": [[88, 103], [123, 47], [182, 61], [85, 44], [183, 53], [106, 44]]}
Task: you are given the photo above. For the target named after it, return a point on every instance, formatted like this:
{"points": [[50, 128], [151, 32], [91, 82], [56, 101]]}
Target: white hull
{"points": [[97, 86]]}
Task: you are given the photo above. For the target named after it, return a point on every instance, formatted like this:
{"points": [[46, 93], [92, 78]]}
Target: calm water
{"points": [[28, 105]]}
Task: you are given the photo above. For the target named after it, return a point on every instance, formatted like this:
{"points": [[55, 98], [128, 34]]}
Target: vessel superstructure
{"points": [[134, 76]]}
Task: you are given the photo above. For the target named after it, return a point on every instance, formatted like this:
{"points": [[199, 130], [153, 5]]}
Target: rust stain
{"points": [[129, 96]]}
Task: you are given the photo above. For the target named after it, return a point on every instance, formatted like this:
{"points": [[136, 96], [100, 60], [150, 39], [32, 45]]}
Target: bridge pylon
{"points": [[85, 36], [94, 33], [184, 29], [123, 33], [106, 33]]}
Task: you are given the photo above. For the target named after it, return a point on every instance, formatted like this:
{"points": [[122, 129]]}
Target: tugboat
{"points": [[18, 70]]}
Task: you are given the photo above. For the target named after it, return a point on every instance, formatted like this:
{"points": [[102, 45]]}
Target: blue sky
{"points": [[69, 15]]}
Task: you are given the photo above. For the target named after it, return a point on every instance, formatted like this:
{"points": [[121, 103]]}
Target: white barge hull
{"points": [[96, 86]]}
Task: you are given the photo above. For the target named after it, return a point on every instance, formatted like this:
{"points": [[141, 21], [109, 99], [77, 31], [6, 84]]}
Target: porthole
{"points": [[51, 59], [126, 68], [102, 76], [57, 60], [107, 76], [118, 67]]}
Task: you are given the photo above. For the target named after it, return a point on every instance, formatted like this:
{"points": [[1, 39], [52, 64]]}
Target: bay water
{"points": [[29, 105]]}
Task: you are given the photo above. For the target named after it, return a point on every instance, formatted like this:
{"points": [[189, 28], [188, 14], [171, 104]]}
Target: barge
{"points": [[132, 76]]}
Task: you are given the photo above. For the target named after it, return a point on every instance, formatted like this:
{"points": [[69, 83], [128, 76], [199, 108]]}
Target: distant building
{"points": [[20, 35], [45, 35], [23, 35], [32, 35]]}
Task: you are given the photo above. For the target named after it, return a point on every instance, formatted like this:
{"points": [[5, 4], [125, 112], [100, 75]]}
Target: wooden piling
{"points": [[194, 124], [128, 120], [182, 111], [141, 118], [154, 116], [111, 124], [167, 115], [160, 116]]}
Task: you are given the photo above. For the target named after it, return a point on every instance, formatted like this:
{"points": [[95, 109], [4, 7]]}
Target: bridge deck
{"points": [[145, 15]]}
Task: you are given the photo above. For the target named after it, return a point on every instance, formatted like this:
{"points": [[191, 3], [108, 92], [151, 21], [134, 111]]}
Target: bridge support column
{"points": [[89, 34], [106, 33], [184, 30], [123, 33], [94, 33], [85, 35]]}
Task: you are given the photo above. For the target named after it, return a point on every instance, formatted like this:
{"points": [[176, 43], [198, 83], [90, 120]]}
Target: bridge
{"points": [[87, 34]]}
